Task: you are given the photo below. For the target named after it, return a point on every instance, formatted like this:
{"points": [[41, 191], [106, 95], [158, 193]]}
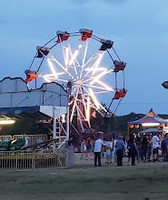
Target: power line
{"points": [[144, 103]]}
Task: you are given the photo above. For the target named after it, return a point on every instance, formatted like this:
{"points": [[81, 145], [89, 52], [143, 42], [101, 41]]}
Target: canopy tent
{"points": [[150, 119]]}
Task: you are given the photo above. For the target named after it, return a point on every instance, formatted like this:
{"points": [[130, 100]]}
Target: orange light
{"points": [[131, 126]]}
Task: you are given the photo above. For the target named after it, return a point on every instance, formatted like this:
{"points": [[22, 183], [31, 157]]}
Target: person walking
{"points": [[120, 148], [98, 145]]}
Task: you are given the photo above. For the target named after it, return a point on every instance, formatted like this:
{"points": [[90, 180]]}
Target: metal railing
{"points": [[16, 160], [32, 139]]}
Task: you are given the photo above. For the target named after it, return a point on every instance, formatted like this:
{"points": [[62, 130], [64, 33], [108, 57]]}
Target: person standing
{"points": [[138, 145], [83, 149], [120, 148], [108, 153], [155, 146], [144, 145], [88, 148], [111, 149], [149, 149], [164, 147], [98, 145], [132, 150]]}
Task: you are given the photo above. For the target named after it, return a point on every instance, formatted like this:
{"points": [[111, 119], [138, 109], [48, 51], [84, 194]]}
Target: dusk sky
{"points": [[138, 28]]}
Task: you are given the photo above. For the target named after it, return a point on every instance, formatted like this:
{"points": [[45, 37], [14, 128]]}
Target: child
{"points": [[89, 148], [108, 154], [83, 149]]}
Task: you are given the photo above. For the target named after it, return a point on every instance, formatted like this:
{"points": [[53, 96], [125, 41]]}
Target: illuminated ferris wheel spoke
{"points": [[94, 66], [80, 119], [75, 91], [97, 63], [84, 54], [97, 77], [81, 114], [100, 85], [97, 104], [90, 61], [104, 86], [73, 57], [85, 64], [53, 70], [76, 73], [73, 60], [88, 106], [74, 103], [95, 82], [83, 101], [50, 79], [98, 89], [65, 52], [62, 67]]}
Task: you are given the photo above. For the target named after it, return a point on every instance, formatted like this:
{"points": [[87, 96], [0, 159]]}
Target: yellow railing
{"points": [[14, 160]]}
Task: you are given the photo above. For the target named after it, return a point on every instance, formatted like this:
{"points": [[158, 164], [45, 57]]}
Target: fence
{"points": [[14, 160], [39, 158], [6, 137]]}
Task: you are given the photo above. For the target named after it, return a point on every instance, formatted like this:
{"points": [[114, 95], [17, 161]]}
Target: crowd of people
{"points": [[136, 149]]}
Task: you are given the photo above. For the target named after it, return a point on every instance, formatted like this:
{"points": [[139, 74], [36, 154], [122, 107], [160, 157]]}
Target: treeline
{"points": [[107, 124], [119, 124]]}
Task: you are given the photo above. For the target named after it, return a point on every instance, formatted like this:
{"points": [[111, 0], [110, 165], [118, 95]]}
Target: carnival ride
{"points": [[89, 69], [69, 77], [23, 144], [45, 104]]}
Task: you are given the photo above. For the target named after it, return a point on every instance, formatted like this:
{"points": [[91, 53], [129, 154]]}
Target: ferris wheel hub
{"points": [[78, 82]]}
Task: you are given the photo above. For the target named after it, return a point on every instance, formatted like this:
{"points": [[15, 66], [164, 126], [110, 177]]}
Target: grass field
{"points": [[85, 182]]}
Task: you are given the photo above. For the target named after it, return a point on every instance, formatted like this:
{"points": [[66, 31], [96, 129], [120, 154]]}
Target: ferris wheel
{"points": [[87, 66]]}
